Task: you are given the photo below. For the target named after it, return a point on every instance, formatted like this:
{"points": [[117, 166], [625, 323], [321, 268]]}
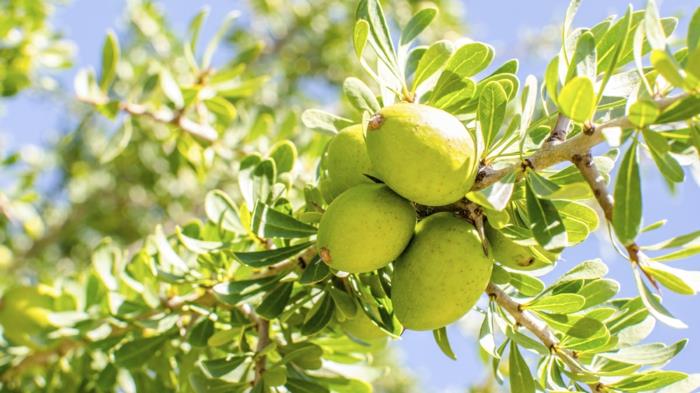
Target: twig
{"points": [[263, 327], [176, 118], [551, 154], [537, 327], [559, 131]]}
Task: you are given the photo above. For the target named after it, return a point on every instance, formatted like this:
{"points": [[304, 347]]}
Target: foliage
{"points": [[230, 293]]}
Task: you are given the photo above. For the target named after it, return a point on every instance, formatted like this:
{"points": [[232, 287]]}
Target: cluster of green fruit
{"points": [[426, 156]]}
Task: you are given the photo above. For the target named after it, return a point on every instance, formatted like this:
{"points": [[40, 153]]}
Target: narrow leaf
{"points": [[440, 336], [417, 24], [627, 210], [545, 223]]}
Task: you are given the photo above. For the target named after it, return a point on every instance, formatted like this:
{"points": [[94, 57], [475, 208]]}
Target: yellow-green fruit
{"points": [[345, 163], [511, 254], [423, 153], [441, 275], [24, 312], [365, 228], [362, 327]]}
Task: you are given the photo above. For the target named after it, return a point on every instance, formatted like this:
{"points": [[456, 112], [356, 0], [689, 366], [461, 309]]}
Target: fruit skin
{"points": [[441, 275], [513, 255], [344, 163], [423, 153], [365, 228], [362, 327]]}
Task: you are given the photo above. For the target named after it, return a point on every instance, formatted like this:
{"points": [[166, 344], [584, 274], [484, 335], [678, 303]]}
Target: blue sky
{"points": [[32, 119]]}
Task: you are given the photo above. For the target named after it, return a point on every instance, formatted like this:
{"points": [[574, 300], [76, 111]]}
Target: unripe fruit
{"points": [[362, 327], [345, 163], [512, 254], [423, 153], [365, 228], [441, 275]]}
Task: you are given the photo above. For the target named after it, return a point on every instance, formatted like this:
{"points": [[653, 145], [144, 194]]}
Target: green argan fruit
{"points": [[514, 255], [365, 228], [441, 275], [24, 312], [344, 163], [423, 153], [362, 327]]}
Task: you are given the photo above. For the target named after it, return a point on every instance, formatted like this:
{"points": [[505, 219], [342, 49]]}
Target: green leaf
{"points": [[433, 59], [295, 385], [170, 88], [693, 40], [598, 291], [647, 381], [316, 271], [659, 149], [268, 222], [360, 96], [643, 113], [681, 110], [521, 380], [491, 111], [195, 27], [654, 226], [270, 257], [284, 154], [135, 353], [678, 280], [587, 270], [201, 384], [371, 11], [440, 336], [118, 142], [545, 223], [200, 333], [275, 301], [344, 303], [324, 122], [217, 368], [319, 316], [417, 24], [575, 326], [359, 37], [541, 186], [221, 210], [222, 108], [690, 384], [234, 292], [577, 99], [528, 102], [551, 79], [497, 195], [526, 284], [561, 304], [647, 354], [627, 210], [583, 62], [667, 66], [579, 220], [214, 41], [487, 340], [612, 45], [110, 60], [654, 306], [677, 241], [653, 28]]}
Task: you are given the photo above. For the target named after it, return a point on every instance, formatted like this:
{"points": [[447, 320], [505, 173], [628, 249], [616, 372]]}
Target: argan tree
{"points": [[226, 236]]}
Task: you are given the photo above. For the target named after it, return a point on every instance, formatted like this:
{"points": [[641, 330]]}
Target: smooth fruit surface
{"points": [[362, 327], [513, 255], [423, 153], [344, 163], [365, 228], [441, 275]]}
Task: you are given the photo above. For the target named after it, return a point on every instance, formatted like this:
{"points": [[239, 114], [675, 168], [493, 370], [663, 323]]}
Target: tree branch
{"points": [[537, 327], [559, 131], [551, 154]]}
